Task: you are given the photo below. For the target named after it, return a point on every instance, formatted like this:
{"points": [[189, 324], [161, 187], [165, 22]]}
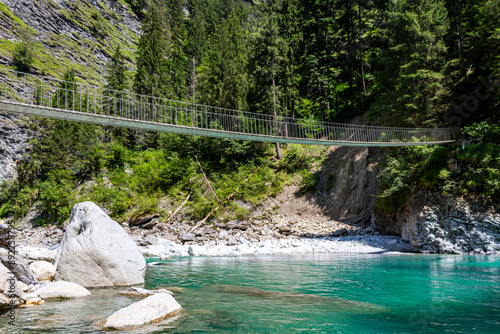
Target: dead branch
{"points": [[180, 207], [201, 222], [206, 179]]}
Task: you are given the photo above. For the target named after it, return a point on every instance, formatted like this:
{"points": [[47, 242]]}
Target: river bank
{"points": [[270, 236]]}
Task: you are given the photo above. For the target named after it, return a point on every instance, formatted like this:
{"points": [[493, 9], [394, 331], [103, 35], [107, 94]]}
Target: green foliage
{"points": [[487, 131], [24, 54], [296, 159], [56, 195], [407, 170], [481, 163], [98, 25], [309, 182], [116, 75]]}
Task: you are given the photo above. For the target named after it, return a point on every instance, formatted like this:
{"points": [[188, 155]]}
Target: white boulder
{"points": [[152, 309], [62, 289], [97, 252]]}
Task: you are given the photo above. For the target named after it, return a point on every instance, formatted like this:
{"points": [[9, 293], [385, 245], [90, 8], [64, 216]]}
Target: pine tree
{"points": [[117, 73], [152, 76], [178, 62], [291, 32], [24, 54], [411, 82], [223, 79], [116, 85], [317, 71]]}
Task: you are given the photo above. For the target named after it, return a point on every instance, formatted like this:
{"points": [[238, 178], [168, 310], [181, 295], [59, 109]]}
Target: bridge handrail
{"points": [[46, 91]]}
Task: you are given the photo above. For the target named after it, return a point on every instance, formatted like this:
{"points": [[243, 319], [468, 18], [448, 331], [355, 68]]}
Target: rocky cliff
{"points": [[79, 34], [431, 222], [14, 136]]}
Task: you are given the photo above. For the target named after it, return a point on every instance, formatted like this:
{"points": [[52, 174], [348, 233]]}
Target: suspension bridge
{"points": [[52, 98]]}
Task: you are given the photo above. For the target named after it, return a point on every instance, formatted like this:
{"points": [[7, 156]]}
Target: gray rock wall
{"points": [[445, 224], [14, 136]]}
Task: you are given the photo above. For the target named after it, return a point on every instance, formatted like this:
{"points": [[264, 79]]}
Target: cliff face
{"points": [[444, 224], [14, 136], [348, 183], [79, 34]]}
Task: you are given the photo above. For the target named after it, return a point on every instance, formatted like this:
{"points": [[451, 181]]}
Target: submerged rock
{"points": [[62, 289], [140, 292], [97, 252], [152, 309], [296, 297]]}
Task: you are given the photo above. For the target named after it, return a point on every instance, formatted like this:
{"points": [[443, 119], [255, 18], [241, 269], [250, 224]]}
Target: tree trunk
{"points": [[459, 24], [278, 149], [361, 48]]}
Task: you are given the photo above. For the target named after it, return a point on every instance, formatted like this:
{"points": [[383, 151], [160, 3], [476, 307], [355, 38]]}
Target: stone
{"points": [[150, 239], [209, 231], [62, 289], [187, 237], [140, 292], [6, 234], [21, 270], [152, 309], [231, 242], [33, 302], [43, 270], [142, 220], [285, 229], [162, 226], [97, 252], [150, 224], [34, 253]]}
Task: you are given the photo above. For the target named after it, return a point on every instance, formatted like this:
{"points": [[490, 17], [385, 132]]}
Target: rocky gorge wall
{"points": [[444, 224], [14, 136]]}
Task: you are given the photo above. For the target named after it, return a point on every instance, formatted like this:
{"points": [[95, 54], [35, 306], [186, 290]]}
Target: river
{"points": [[315, 293]]}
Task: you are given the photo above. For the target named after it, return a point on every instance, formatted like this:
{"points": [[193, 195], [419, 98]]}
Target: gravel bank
{"points": [[163, 248]]}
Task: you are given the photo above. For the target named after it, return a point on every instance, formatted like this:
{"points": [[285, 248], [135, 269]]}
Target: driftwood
{"points": [[180, 207], [206, 179], [201, 222]]}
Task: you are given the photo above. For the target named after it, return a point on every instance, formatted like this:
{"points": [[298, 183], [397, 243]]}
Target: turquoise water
{"points": [[317, 293]]}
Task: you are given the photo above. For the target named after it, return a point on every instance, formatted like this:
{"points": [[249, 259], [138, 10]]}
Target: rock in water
{"points": [[97, 252], [149, 310], [62, 289]]}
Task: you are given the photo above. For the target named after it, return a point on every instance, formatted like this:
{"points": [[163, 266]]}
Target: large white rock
{"points": [[62, 289], [149, 310], [43, 270], [96, 252]]}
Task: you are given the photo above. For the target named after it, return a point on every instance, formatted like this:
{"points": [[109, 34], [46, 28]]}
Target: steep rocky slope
{"points": [[79, 34], [14, 136]]}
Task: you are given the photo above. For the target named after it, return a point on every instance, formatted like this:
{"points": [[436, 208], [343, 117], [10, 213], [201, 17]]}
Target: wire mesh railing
{"points": [[45, 92]]}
